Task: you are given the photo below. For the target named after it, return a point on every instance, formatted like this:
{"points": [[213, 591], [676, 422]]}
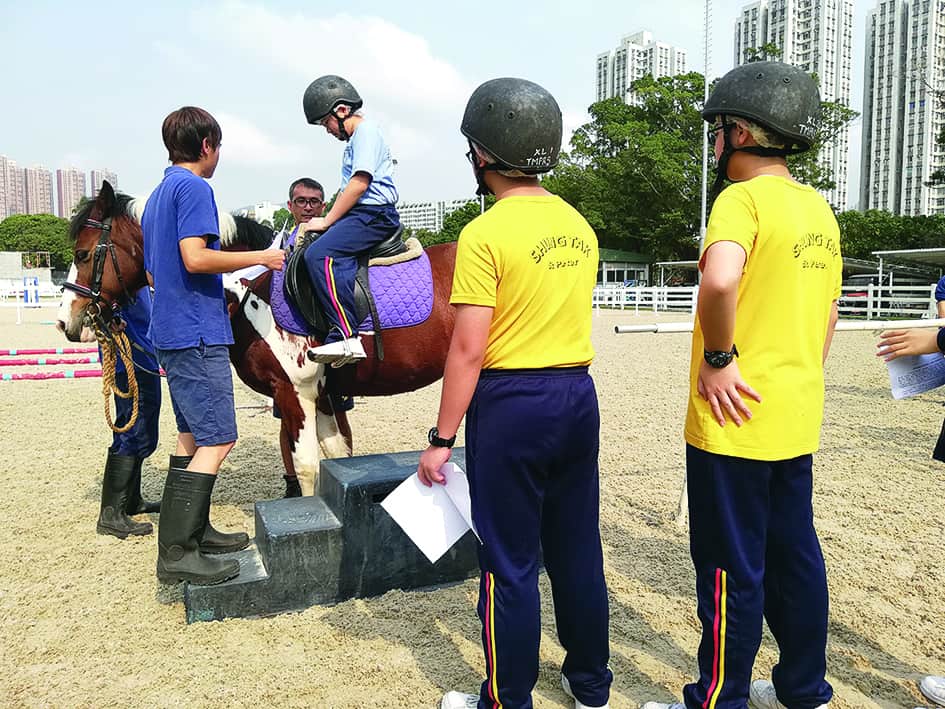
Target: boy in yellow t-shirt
{"points": [[517, 369], [771, 271]]}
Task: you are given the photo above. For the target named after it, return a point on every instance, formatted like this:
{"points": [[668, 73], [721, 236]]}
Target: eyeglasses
{"points": [[307, 201], [471, 156], [715, 130]]}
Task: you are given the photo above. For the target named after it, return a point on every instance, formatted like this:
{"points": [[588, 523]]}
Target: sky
{"points": [[89, 84]]}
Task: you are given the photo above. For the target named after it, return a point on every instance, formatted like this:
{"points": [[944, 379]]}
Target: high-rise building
{"points": [[38, 187], [99, 176], [12, 197], [638, 55], [903, 107], [427, 215], [70, 189], [817, 36]]}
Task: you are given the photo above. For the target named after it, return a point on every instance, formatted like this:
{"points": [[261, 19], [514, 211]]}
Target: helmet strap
{"points": [[341, 125]]}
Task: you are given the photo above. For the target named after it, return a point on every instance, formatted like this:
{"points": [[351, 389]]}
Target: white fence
{"points": [[872, 302], [653, 298]]}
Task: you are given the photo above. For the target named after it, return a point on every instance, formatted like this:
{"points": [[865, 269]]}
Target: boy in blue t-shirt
{"points": [[190, 330], [362, 216]]}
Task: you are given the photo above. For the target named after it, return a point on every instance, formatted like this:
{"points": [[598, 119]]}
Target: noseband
{"points": [[99, 310]]}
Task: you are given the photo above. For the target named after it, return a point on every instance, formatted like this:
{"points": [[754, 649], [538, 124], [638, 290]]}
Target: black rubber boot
{"points": [[213, 541], [116, 490], [185, 506], [136, 505]]}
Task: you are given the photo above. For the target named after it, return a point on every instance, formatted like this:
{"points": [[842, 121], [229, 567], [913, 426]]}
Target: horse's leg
{"points": [[306, 456], [286, 446], [332, 428]]}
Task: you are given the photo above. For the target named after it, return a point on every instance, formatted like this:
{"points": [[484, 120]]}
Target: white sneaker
{"points": [[458, 700], [664, 705], [762, 695], [933, 689], [566, 686], [339, 353]]}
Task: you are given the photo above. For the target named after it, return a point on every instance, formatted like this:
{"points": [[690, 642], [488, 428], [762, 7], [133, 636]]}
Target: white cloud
{"points": [[417, 97], [244, 143]]}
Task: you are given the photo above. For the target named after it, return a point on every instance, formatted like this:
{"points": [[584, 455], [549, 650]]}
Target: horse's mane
{"points": [[234, 231], [124, 206]]}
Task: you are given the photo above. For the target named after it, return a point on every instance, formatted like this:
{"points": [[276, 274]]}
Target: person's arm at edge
{"points": [[831, 328], [198, 258], [463, 364]]}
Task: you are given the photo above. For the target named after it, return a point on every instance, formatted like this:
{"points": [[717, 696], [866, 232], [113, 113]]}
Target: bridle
{"points": [[99, 311]]}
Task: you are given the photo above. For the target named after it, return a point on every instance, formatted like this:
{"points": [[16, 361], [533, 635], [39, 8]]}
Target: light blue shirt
{"points": [[367, 152]]}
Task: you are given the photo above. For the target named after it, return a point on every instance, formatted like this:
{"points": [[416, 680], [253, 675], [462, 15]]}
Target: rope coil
{"points": [[115, 345]]}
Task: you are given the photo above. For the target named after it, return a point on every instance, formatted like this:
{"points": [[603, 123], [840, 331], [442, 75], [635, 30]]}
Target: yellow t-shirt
{"points": [[534, 260], [792, 274]]}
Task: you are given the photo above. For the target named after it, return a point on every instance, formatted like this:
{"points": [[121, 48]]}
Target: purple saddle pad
{"points": [[403, 294]]}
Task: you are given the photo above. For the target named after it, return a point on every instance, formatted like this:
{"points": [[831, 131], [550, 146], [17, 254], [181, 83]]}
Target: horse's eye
{"points": [[81, 257]]}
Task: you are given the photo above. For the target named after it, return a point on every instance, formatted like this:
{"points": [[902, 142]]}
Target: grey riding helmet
{"points": [[325, 94], [517, 121], [775, 95]]}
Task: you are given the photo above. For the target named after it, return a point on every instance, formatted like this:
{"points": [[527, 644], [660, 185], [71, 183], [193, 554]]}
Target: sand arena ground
{"points": [[83, 622]]}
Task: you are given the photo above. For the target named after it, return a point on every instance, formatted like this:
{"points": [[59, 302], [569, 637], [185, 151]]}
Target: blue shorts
{"points": [[201, 387]]}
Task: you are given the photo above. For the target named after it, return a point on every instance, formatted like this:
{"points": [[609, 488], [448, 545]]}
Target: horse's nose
{"points": [[61, 326]]}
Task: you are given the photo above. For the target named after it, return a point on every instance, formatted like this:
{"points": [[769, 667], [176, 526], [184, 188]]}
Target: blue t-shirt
{"points": [[367, 152], [940, 289], [188, 307], [137, 317]]}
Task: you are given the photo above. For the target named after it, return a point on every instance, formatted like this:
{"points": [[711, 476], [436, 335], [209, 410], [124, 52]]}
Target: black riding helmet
{"points": [[325, 94], [777, 96], [518, 122]]}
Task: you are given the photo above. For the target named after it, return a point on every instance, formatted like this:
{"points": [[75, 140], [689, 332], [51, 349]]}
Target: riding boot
{"points": [[213, 541], [185, 507], [117, 484], [292, 487], [136, 505]]}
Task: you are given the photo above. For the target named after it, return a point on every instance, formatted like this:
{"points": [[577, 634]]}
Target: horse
{"points": [[109, 268]]}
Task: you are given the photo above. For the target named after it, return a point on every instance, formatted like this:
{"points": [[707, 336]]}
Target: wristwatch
{"points": [[434, 438], [719, 359]]}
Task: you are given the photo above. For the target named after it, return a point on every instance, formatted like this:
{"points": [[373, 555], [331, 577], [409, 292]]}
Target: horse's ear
{"points": [[106, 198]]}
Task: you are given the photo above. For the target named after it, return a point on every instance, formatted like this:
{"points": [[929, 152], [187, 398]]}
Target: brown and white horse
{"points": [[109, 265]]}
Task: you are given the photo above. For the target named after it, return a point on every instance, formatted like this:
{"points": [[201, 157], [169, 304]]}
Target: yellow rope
{"points": [[116, 346]]}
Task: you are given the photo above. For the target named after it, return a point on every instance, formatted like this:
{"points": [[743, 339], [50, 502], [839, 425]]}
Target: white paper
{"points": [[457, 487], [909, 376], [250, 272], [429, 515]]}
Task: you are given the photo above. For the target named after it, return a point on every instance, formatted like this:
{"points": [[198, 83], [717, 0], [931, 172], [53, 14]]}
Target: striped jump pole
{"points": [[33, 376], [48, 351], [842, 326], [91, 359]]}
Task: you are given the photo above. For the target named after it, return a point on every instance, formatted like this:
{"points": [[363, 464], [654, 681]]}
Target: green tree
{"points": [[768, 51], [635, 171], [38, 232], [454, 222], [282, 217]]}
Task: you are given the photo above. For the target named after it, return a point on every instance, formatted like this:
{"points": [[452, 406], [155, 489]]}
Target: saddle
{"points": [[298, 287]]}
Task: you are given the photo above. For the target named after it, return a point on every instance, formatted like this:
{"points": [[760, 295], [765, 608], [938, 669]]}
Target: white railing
{"points": [[871, 302], [882, 302], [652, 298]]}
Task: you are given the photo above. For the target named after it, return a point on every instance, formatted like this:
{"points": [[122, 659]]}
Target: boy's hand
{"points": [[273, 259], [431, 460], [722, 388], [902, 343], [315, 224]]}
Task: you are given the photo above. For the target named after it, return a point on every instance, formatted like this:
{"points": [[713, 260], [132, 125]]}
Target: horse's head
{"points": [[108, 264]]}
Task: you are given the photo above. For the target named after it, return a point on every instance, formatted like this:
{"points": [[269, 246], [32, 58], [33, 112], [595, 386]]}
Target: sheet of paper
{"points": [[457, 487], [909, 376], [250, 272], [427, 515]]}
